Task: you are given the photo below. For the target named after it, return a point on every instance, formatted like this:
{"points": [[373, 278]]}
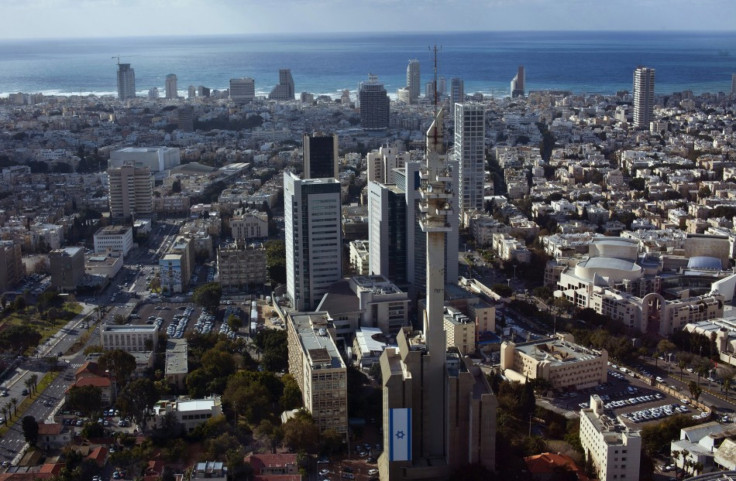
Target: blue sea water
{"points": [[582, 62]]}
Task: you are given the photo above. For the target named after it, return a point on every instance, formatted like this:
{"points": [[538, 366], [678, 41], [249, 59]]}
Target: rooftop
{"points": [[556, 351], [316, 341]]}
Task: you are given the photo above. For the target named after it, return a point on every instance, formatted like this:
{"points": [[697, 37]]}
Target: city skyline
{"points": [[91, 18]]}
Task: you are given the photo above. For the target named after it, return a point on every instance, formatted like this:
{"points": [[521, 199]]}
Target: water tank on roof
{"points": [[322, 331]]}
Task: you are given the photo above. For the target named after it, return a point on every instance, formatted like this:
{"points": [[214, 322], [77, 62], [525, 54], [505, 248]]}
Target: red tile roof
{"points": [[260, 461], [546, 463], [50, 429]]}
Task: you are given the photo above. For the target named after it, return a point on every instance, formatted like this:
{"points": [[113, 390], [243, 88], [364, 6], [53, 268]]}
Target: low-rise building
{"points": [[249, 224], [368, 346], [129, 338], [189, 413], [319, 370], [698, 444], [114, 238], [564, 364], [103, 264], [177, 362], [614, 449], [459, 331], [359, 257]]}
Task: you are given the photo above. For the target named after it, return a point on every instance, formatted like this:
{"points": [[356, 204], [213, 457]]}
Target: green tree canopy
{"points": [[137, 398], [121, 364], [301, 434], [273, 345], [30, 430], [208, 296], [87, 399], [19, 338]]}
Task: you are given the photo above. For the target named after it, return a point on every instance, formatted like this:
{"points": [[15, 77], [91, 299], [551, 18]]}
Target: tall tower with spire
{"points": [[439, 410]]}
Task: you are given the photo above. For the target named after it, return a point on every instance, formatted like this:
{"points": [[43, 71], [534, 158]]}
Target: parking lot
{"points": [[635, 402]]}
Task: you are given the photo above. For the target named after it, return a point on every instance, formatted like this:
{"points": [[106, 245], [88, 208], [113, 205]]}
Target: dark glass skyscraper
{"points": [[374, 105], [320, 156]]}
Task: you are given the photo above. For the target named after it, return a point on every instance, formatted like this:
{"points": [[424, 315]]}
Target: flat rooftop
{"points": [[556, 351], [129, 328], [316, 341]]}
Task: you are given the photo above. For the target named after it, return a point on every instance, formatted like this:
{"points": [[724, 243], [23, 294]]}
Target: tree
{"points": [[30, 430], [300, 433], [292, 396], [276, 261], [120, 364], [234, 322], [87, 399], [273, 345], [14, 402], [34, 382], [208, 296], [502, 290], [682, 363], [695, 390], [19, 338], [704, 192], [137, 398]]}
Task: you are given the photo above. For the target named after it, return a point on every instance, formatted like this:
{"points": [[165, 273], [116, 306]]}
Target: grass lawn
{"points": [[30, 317]]}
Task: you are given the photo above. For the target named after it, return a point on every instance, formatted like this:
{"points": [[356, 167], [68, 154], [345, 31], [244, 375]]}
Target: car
{"points": [[4, 393], [24, 392], [372, 472], [348, 476], [323, 461], [5, 464], [324, 472]]}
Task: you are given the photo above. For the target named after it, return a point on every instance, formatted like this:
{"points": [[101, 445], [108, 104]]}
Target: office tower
{"points": [[457, 92], [11, 264], [191, 92], [733, 84], [643, 96], [153, 93], [312, 218], [518, 83], [469, 152], [345, 97], [171, 92], [403, 95], [185, 118], [177, 265], [439, 410], [320, 156], [374, 104], [413, 80], [131, 191], [242, 90], [387, 232], [126, 81], [285, 88], [203, 91], [441, 86]]}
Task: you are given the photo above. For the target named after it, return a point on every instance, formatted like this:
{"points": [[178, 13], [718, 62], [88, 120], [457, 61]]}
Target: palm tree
{"points": [[15, 405], [29, 384], [5, 414], [34, 381], [682, 363]]}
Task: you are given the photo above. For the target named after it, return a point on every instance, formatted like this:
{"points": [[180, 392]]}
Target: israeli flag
{"points": [[399, 423]]}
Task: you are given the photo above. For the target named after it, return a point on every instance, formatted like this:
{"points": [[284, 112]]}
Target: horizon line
{"points": [[292, 34]]}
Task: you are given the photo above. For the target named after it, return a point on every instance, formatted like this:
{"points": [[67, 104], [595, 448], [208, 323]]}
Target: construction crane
{"points": [[118, 57]]}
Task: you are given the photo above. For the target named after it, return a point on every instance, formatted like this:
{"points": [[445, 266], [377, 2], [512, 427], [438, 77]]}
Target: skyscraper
{"points": [[457, 92], [312, 218], [518, 83], [171, 91], [643, 96], [242, 90], [374, 104], [469, 152], [320, 156], [126, 81], [439, 410], [387, 228], [131, 191], [733, 84], [413, 80], [285, 88]]}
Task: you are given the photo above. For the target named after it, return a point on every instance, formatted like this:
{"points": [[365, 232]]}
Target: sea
{"points": [[581, 62]]}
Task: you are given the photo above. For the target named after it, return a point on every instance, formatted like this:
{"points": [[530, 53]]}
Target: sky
{"points": [[122, 18]]}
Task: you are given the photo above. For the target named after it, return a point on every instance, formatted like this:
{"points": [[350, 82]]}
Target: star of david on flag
{"points": [[400, 428]]}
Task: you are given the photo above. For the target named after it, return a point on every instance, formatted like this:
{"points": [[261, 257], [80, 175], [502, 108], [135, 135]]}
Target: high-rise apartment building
{"points": [[312, 218], [242, 90], [383, 161], [320, 156], [613, 448], [284, 90], [457, 92], [171, 89], [413, 80], [518, 83], [733, 84], [643, 97], [469, 152], [11, 264], [318, 369], [439, 410], [185, 118], [176, 266], [126, 81], [131, 191], [374, 104], [441, 86]]}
